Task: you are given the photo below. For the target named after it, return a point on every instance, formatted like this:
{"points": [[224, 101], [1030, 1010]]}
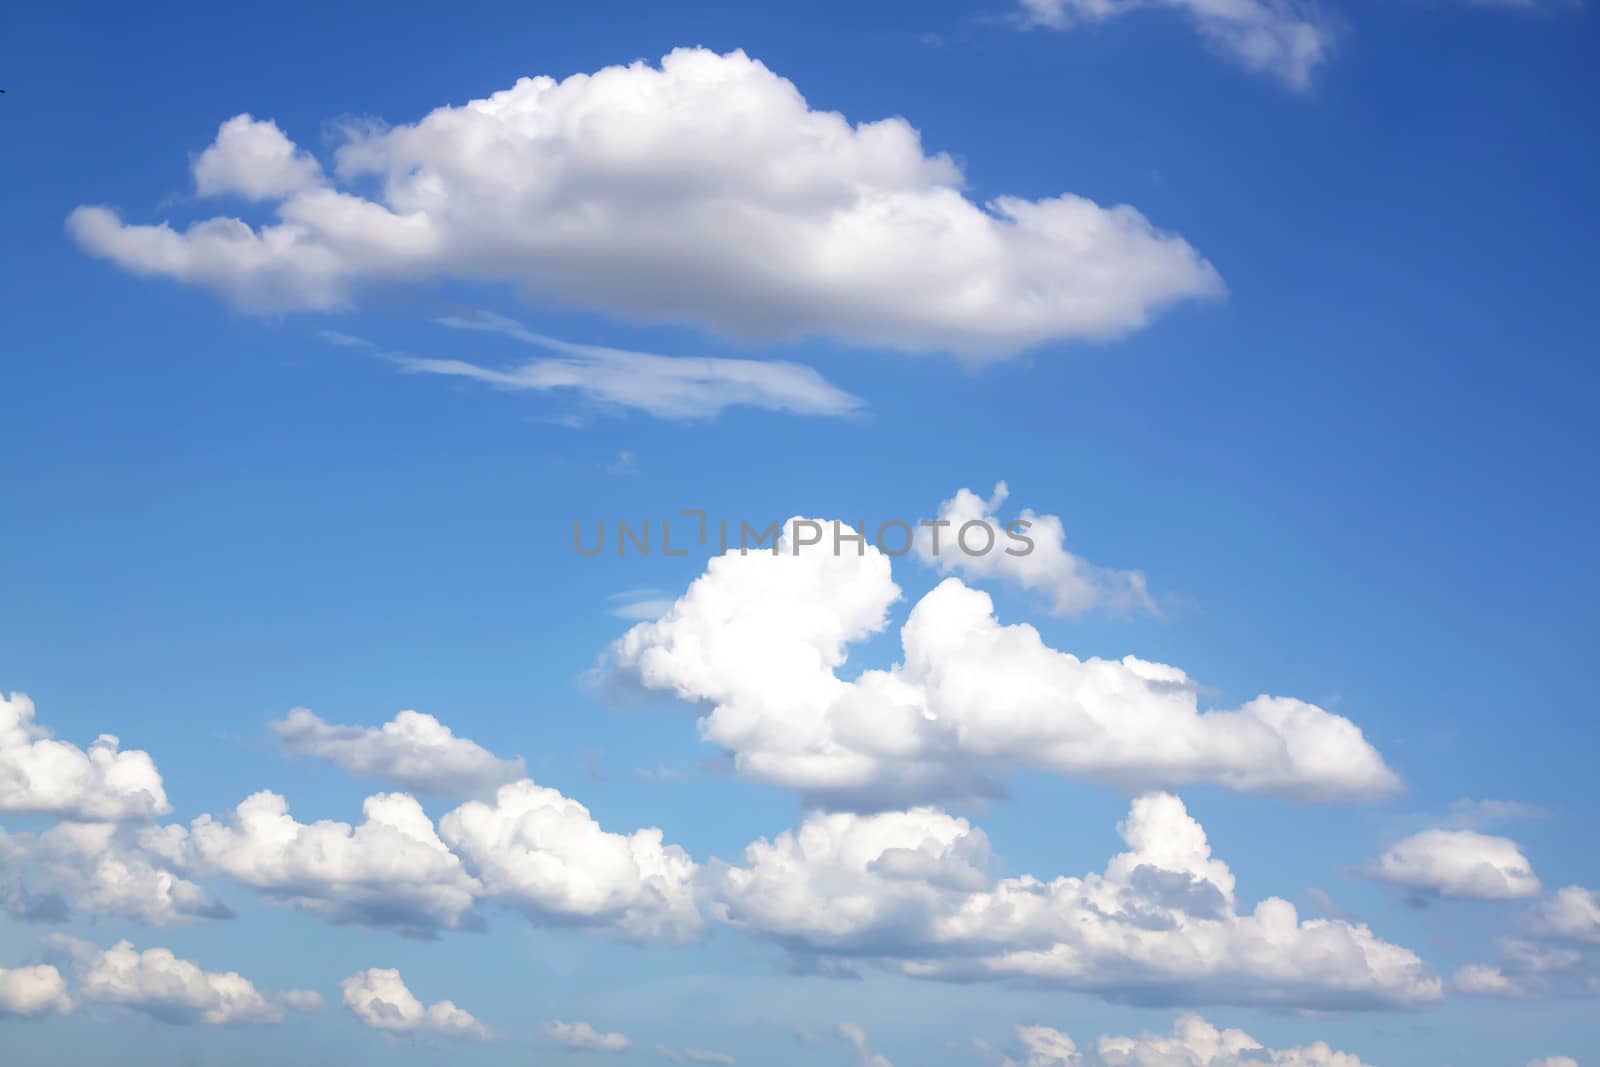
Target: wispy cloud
{"points": [[673, 387], [1285, 39], [616, 379], [641, 605]]}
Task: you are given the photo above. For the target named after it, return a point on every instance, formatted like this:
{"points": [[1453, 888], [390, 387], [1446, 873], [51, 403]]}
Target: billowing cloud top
{"points": [[1194, 1042], [378, 998], [702, 190], [31, 992], [162, 985], [761, 637], [41, 775], [911, 891]]}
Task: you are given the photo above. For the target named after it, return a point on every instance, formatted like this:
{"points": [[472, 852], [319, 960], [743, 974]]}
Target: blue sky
{"points": [[1329, 393]]}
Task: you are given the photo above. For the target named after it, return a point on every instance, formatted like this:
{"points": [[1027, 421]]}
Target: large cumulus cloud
{"points": [[911, 891], [704, 189], [761, 639]]}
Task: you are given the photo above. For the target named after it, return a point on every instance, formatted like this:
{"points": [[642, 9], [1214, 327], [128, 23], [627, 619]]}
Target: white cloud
{"points": [[1286, 39], [1457, 863], [253, 159], [669, 387], [911, 892], [856, 1038], [703, 190], [1554, 1061], [582, 1037], [640, 605], [761, 638], [175, 990], [390, 871], [1045, 1047], [1530, 969], [1485, 980], [97, 869], [1071, 584], [41, 775], [379, 999], [1570, 914], [32, 992], [544, 854], [1194, 1042], [412, 750]]}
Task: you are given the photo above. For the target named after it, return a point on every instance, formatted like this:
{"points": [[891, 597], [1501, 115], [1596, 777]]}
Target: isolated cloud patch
{"points": [[174, 990], [703, 190], [911, 891], [860, 1048], [40, 775], [1457, 863], [543, 854], [412, 750], [1285, 39], [1570, 914], [1556, 958], [761, 638], [378, 998], [583, 1037], [1194, 1042], [33, 992]]}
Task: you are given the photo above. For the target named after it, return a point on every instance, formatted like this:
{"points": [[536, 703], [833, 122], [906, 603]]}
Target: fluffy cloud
{"points": [[44, 776], [1071, 584], [1569, 914], [1556, 958], [32, 992], [704, 189], [253, 159], [1194, 1042], [760, 637], [379, 999], [175, 990], [856, 1038], [1547, 964], [97, 869], [1485, 980], [1286, 39], [1457, 863], [389, 871], [543, 853], [1044, 1047], [1553, 1061], [911, 892], [412, 750], [582, 1037]]}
